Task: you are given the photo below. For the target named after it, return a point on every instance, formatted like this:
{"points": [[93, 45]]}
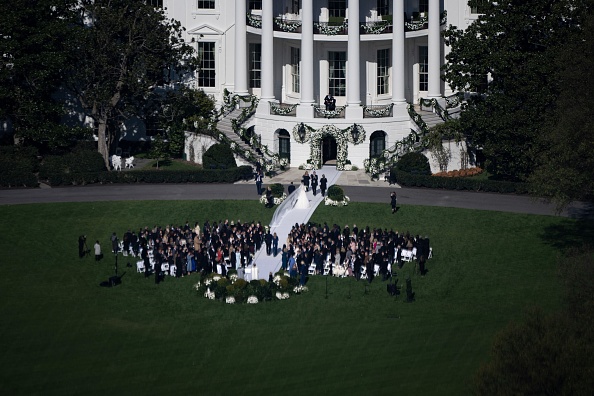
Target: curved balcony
{"points": [[292, 24]]}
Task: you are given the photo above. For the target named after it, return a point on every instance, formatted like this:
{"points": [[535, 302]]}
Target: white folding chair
{"points": [[140, 266], [165, 268], [311, 270], [326, 268], [430, 252], [376, 269], [173, 270], [363, 273]]}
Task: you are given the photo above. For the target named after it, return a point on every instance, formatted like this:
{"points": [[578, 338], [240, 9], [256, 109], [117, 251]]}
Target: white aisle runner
{"points": [[267, 264]]}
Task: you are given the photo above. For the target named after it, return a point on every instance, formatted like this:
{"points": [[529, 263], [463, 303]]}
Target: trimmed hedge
{"points": [[277, 190], [152, 176], [335, 193], [219, 156], [457, 183], [78, 161], [18, 165], [415, 163]]}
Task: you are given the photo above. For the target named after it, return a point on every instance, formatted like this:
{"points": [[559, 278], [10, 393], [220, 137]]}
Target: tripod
{"points": [[83, 249]]}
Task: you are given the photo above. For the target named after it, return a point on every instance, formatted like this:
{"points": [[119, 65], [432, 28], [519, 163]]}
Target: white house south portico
{"points": [[375, 57]]}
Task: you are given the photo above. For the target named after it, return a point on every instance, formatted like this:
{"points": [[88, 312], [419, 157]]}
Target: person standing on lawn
{"points": [[393, 199]]}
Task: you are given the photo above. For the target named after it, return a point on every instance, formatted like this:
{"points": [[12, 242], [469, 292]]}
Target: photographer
{"points": [[97, 251]]}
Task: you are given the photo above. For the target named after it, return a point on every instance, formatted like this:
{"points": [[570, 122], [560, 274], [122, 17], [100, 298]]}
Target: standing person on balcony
{"points": [[329, 102]]}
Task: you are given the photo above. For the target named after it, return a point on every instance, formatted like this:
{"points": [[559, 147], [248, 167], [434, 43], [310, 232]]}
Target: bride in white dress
{"points": [[302, 200]]}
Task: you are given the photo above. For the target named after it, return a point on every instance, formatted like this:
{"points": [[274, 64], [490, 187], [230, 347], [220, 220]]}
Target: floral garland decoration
{"points": [[329, 113], [254, 21], [330, 30], [342, 136], [416, 25], [375, 27], [281, 111], [377, 113], [289, 27]]}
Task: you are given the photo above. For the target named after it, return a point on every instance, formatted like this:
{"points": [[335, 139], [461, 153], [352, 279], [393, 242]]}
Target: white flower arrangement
{"points": [[276, 280], [252, 300], [330, 202], [233, 278], [375, 28], [300, 289], [279, 295], [277, 201], [210, 295], [285, 296], [284, 162], [348, 167], [230, 300], [207, 282], [197, 286], [216, 277]]}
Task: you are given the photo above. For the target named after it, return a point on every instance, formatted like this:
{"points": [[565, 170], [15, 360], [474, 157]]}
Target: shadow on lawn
{"points": [[570, 234]]}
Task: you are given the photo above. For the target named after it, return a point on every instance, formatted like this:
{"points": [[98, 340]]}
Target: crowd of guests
{"points": [[349, 252], [221, 245], [199, 248]]}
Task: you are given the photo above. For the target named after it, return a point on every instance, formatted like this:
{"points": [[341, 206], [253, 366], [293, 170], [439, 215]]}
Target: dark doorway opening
{"points": [[329, 150]]}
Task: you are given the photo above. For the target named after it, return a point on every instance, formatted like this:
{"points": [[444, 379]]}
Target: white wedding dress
{"points": [[302, 200]]}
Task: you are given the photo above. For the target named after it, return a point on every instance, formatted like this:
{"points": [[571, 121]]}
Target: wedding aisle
{"points": [[266, 264]]}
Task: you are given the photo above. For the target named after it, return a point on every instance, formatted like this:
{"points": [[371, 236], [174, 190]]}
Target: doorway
{"points": [[329, 150]]}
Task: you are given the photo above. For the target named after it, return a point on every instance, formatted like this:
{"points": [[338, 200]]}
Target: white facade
{"points": [[287, 52]]}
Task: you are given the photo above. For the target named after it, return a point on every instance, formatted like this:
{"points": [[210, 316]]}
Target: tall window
{"points": [[155, 3], [383, 7], [423, 5], [377, 143], [383, 74], [295, 6], [479, 7], [207, 72], [295, 58], [284, 144], [423, 68], [255, 65], [337, 8], [337, 73], [255, 5], [206, 5]]}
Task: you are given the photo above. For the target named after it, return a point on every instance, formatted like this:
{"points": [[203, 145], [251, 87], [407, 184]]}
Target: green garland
{"points": [[377, 113], [375, 27], [342, 136], [253, 21], [289, 27]]}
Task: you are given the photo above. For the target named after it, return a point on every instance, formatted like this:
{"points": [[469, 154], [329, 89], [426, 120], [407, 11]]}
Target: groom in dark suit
{"points": [[314, 182], [323, 185]]}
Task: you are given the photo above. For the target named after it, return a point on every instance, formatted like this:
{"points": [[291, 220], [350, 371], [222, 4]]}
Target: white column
{"points": [[240, 48], [306, 79], [398, 53], [353, 84], [267, 52], [307, 53], [434, 50]]}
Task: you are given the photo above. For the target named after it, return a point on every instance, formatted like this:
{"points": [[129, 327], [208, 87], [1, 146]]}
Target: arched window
{"points": [[284, 144], [377, 143]]}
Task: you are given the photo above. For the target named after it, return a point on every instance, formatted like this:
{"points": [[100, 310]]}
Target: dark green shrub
{"points": [[459, 183], [277, 190], [335, 193], [219, 156], [415, 163]]}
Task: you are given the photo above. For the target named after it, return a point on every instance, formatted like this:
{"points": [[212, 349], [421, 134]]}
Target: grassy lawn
{"points": [[65, 335]]}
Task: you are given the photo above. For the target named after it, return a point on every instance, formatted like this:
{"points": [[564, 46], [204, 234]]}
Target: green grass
{"points": [[65, 335]]}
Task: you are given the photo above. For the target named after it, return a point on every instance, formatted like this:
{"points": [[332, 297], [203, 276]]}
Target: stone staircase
{"points": [[432, 119], [226, 128]]}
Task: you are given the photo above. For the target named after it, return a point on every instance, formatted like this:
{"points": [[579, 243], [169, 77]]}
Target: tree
{"points": [[182, 109], [36, 48], [548, 354], [566, 170], [127, 49], [512, 45], [159, 149]]}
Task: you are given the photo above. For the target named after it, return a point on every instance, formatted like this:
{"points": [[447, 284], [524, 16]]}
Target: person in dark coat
{"points": [[323, 185], [291, 188], [314, 182], [268, 241], [305, 180], [393, 201]]}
